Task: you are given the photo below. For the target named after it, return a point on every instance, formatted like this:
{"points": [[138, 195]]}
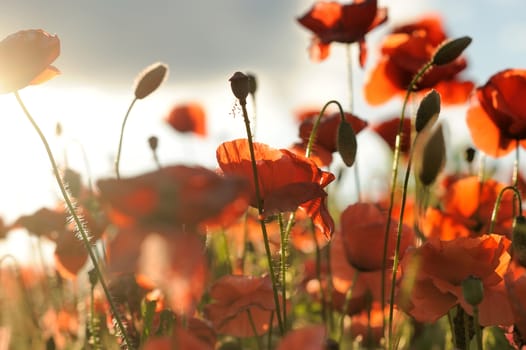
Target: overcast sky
{"points": [[105, 43]]}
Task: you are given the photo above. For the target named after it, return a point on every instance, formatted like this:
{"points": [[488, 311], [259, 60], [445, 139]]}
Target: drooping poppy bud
{"points": [[518, 242], [240, 85], [347, 144], [450, 50], [150, 79], [473, 290], [153, 142], [428, 110], [433, 157]]}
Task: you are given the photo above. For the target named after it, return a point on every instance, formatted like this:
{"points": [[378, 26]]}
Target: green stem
{"points": [[119, 149], [227, 252], [394, 176], [254, 329], [467, 338], [478, 330], [283, 266], [78, 222], [515, 176], [350, 76], [348, 297], [452, 327], [499, 200], [261, 214]]}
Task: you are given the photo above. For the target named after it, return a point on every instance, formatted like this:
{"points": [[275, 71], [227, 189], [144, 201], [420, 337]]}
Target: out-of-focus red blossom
{"points": [[174, 263], [368, 286], [467, 209], [61, 325], [404, 52], [497, 116], [180, 339], [441, 268], [286, 180], [304, 236], [515, 279], [369, 325], [388, 130], [307, 338], [233, 298], [327, 129], [188, 117], [344, 23], [25, 59], [363, 232], [70, 255], [173, 196], [44, 222], [319, 155]]}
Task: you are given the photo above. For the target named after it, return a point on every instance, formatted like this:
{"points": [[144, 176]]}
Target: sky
{"points": [[105, 44]]}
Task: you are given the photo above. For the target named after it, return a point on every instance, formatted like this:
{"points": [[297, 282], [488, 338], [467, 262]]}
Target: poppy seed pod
{"points": [[240, 85], [428, 110], [473, 290], [150, 79], [519, 240], [252, 84], [450, 50], [153, 142]]}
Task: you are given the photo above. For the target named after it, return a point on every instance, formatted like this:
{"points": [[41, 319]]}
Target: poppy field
{"points": [[255, 253]]}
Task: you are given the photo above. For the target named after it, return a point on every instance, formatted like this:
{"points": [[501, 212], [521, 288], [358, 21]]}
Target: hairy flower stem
{"points": [[261, 214], [283, 265], [394, 176], [316, 124], [499, 200], [78, 223], [119, 149]]}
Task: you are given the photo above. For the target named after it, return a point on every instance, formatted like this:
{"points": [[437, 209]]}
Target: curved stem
{"points": [[499, 200], [261, 213], [254, 329], [394, 176], [348, 297], [283, 266], [317, 123], [350, 76], [119, 149], [78, 222]]}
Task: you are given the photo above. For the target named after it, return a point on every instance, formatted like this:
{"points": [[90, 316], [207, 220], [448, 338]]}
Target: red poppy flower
{"points": [[25, 59], [307, 338], [44, 222], [180, 339], [388, 130], [515, 279], [319, 155], [328, 128], [174, 195], [70, 255], [189, 117], [234, 298], [497, 116], [363, 231], [443, 265], [344, 23], [467, 209], [404, 52], [286, 180]]}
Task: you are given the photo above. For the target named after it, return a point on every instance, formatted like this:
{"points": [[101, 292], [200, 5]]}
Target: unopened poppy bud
{"points": [[473, 290], [240, 85], [470, 154], [150, 79], [433, 157], [450, 50], [252, 84], [518, 242], [428, 110], [346, 143], [153, 141]]}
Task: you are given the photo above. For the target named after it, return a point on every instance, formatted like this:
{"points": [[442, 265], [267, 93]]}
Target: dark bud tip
{"points": [[346, 143], [518, 240], [153, 141], [428, 110], [470, 154], [473, 290], [240, 85], [150, 79], [252, 84], [450, 50]]}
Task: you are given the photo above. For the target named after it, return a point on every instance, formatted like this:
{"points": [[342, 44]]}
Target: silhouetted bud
{"points": [[470, 154], [473, 290], [433, 157], [240, 85], [252, 84], [153, 141], [150, 79], [428, 110], [518, 240], [58, 129], [449, 51], [346, 143]]}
